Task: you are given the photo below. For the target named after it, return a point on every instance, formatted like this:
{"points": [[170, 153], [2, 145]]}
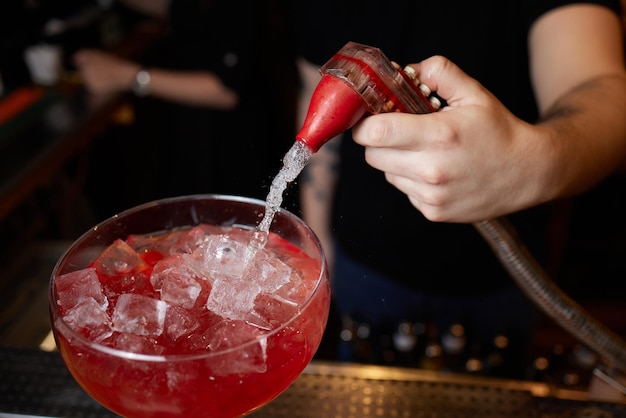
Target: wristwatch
{"points": [[141, 83]]}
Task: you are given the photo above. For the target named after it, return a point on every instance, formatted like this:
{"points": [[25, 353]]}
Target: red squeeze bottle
{"points": [[335, 107], [356, 81]]}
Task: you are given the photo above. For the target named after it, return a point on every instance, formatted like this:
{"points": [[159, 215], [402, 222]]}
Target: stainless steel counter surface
{"points": [[36, 383]]}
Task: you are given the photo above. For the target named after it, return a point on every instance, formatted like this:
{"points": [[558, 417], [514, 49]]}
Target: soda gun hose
{"points": [[359, 80]]}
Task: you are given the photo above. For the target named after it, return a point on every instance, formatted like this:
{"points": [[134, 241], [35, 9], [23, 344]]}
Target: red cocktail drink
{"points": [[163, 310]]}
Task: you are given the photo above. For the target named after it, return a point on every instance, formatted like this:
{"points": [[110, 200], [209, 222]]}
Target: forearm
{"points": [[586, 131], [104, 73], [192, 88], [577, 65], [317, 186]]}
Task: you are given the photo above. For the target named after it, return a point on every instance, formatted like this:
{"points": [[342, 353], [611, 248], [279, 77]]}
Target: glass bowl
{"points": [[148, 337]]}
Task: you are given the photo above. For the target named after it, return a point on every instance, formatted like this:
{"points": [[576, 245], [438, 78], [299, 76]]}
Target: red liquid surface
{"points": [[193, 362]]}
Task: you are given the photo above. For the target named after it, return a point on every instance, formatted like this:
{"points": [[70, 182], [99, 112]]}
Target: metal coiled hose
{"points": [[533, 281]]}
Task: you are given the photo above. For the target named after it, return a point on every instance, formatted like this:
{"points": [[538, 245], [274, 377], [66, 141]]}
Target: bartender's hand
{"points": [[105, 73], [464, 163], [475, 160]]}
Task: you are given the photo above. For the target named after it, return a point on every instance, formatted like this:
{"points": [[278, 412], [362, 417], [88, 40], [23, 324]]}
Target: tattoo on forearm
{"points": [[321, 191]]}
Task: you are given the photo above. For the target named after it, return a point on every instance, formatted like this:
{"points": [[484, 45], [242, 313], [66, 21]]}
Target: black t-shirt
{"points": [[373, 221]]}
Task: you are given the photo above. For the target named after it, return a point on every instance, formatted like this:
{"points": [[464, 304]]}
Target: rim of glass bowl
{"points": [[67, 330]]}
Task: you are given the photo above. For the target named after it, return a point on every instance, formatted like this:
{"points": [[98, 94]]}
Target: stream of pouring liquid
{"points": [[294, 162]]}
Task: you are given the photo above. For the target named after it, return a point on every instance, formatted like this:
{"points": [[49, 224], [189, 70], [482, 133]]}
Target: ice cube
{"points": [[275, 311], [188, 241], [299, 261], [179, 322], [119, 258], [296, 291], [140, 315], [198, 341], [232, 298], [90, 319], [223, 255], [269, 272], [74, 287], [181, 291], [179, 280], [137, 344], [138, 283], [161, 242], [249, 357]]}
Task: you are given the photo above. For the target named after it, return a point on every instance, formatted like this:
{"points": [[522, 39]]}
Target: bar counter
{"points": [[36, 383]]}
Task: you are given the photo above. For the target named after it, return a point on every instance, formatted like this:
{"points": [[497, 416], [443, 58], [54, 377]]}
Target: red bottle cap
{"points": [[335, 107]]}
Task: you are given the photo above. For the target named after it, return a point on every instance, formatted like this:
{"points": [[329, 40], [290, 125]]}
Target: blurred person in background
{"points": [[213, 111]]}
